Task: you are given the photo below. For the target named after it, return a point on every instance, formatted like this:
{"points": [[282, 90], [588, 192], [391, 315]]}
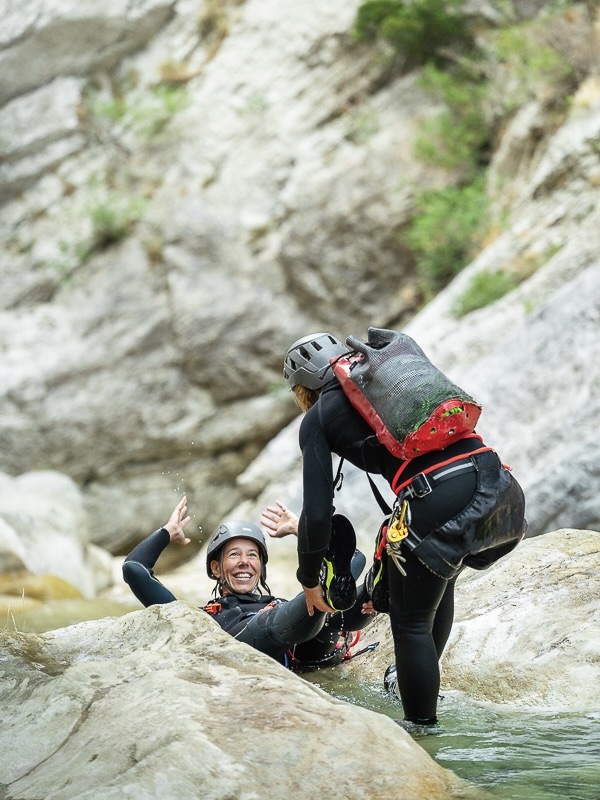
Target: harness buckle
{"points": [[419, 486]]}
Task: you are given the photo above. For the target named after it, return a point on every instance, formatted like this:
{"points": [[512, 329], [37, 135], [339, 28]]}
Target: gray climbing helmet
{"points": [[306, 362], [235, 529]]}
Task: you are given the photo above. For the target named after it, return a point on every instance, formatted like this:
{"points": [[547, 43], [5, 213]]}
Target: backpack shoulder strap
{"points": [[379, 497], [339, 477]]}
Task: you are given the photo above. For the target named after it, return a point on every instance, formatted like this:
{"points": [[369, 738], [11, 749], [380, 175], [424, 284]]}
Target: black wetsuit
{"points": [[422, 603], [272, 625]]}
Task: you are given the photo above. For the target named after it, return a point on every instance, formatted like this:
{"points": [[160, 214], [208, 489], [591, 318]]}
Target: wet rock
{"points": [[162, 703]]}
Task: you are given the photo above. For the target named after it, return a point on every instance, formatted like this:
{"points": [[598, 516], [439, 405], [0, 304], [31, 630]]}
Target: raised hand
{"points": [[177, 521], [279, 521]]}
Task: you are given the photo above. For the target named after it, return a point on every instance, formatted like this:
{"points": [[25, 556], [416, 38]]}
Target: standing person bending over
{"points": [[236, 559], [479, 500]]}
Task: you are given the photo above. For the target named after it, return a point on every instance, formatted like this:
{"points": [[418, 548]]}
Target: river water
{"points": [[513, 754]]}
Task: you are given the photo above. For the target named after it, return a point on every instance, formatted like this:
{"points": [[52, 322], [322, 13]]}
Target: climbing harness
{"points": [[343, 652], [423, 484]]}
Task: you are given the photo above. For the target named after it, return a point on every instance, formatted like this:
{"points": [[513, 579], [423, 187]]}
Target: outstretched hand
{"points": [[315, 600], [177, 521], [279, 521], [367, 608]]}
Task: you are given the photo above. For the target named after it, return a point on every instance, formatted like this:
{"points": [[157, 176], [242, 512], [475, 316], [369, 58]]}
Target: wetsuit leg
{"points": [[422, 604], [148, 589], [444, 617], [276, 629], [324, 643], [414, 600]]}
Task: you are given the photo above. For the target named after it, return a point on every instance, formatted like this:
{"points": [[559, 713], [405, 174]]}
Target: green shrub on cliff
{"points": [[444, 231], [458, 136], [420, 29]]}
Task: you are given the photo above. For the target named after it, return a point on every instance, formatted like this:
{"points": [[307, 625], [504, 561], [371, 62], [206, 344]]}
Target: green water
{"points": [[514, 755]]}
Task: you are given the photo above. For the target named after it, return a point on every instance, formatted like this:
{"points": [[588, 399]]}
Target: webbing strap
{"points": [[339, 475], [397, 476], [379, 497], [397, 488]]}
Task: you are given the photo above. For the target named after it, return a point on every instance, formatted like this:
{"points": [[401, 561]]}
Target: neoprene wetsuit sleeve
{"points": [[148, 551], [314, 527]]}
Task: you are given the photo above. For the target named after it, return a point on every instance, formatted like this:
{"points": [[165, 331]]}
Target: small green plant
{"points": [[488, 286], [144, 113], [257, 103], [443, 234], [484, 289], [113, 219], [420, 30], [531, 63], [155, 109], [113, 109], [455, 138], [362, 125]]}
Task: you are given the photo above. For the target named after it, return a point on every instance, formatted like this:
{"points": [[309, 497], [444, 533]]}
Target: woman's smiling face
{"points": [[239, 566]]}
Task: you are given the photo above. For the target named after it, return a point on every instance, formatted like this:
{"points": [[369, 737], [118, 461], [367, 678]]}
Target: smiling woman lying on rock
{"points": [[236, 559]]}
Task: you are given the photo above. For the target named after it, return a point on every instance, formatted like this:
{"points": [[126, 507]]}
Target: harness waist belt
{"points": [[423, 484]]}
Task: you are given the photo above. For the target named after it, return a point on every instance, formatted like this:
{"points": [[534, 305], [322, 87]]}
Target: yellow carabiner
{"points": [[398, 529]]}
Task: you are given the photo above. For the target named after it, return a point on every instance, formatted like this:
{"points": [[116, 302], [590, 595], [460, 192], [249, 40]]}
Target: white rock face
{"points": [[162, 704], [39, 131], [530, 627], [43, 529], [70, 37]]}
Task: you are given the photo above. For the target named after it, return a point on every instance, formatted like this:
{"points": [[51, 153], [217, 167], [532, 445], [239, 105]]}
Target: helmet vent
{"points": [[307, 361]]}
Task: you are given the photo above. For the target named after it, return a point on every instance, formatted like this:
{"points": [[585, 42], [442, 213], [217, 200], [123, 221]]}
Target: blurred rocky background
{"points": [[188, 186]]}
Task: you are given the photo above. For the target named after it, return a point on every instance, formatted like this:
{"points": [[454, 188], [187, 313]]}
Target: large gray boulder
{"points": [[162, 704], [531, 626]]}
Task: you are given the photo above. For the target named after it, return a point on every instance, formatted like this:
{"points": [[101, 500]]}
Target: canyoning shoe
{"points": [[420, 728], [376, 579], [390, 681], [337, 582]]}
